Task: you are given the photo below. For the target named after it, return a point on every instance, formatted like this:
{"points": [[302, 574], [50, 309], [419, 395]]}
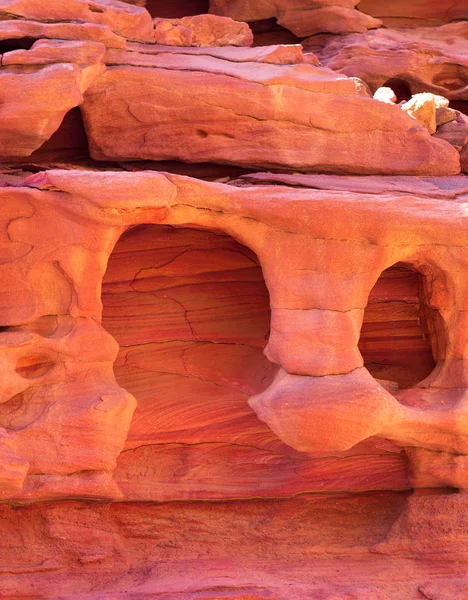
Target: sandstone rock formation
{"points": [[302, 17], [234, 316], [324, 121], [424, 107], [427, 59], [131, 22], [399, 13], [29, 78], [202, 31]]}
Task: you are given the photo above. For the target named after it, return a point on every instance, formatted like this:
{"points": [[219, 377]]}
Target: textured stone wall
{"points": [[233, 300]]}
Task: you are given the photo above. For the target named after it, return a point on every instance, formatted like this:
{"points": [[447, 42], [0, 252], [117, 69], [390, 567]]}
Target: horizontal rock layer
{"points": [[298, 117], [202, 31], [302, 18], [414, 14], [427, 59], [132, 22], [287, 113], [248, 550]]}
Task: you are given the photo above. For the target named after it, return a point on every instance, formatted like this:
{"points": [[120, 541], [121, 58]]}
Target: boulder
{"points": [[302, 17], [400, 13], [385, 94], [455, 132], [202, 31], [129, 21], [39, 86], [299, 117], [445, 115], [422, 107]]}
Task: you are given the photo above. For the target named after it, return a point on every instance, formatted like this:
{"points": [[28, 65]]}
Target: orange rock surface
{"points": [[427, 59], [324, 120], [302, 17], [202, 31], [399, 13], [233, 300]]}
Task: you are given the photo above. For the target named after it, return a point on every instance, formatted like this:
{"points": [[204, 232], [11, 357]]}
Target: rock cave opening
{"points": [[68, 142], [401, 88], [460, 105], [23, 43], [401, 336], [176, 9], [190, 311], [269, 31]]}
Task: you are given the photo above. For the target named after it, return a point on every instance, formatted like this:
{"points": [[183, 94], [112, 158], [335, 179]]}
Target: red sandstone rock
{"points": [[455, 132], [129, 21], [45, 52], [437, 469], [301, 17], [427, 59], [190, 352], [29, 83], [445, 115], [13, 469], [320, 118], [291, 548], [292, 403], [93, 32], [425, 519], [334, 19], [464, 158], [202, 31], [447, 187], [400, 13], [276, 54]]}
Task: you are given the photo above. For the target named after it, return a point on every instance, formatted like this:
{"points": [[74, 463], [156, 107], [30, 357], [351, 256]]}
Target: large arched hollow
{"points": [[402, 336], [190, 311]]}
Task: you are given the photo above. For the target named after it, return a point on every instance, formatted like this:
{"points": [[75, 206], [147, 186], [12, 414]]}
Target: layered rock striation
{"points": [[234, 336]]}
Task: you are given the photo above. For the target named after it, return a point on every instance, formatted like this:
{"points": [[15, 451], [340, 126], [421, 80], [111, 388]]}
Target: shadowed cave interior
{"points": [[395, 340], [190, 311]]}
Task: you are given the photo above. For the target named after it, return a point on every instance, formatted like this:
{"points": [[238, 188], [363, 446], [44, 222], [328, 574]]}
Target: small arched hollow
{"points": [[402, 335], [401, 88], [68, 142], [190, 311]]}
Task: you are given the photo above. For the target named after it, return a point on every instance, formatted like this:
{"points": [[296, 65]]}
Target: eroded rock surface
{"points": [[302, 17], [204, 279], [427, 59], [399, 13], [323, 120], [131, 22], [202, 31], [30, 79], [233, 300], [286, 113]]}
